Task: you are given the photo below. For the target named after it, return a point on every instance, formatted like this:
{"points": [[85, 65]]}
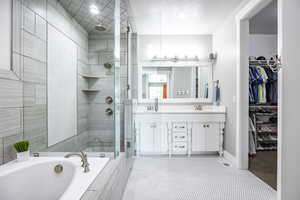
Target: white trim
{"points": [[230, 158], [242, 20]]}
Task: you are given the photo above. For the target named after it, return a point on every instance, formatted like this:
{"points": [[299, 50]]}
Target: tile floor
{"points": [[193, 179]]}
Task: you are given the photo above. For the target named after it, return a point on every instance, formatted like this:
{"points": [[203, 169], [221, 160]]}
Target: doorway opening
{"points": [[263, 94], [257, 96]]}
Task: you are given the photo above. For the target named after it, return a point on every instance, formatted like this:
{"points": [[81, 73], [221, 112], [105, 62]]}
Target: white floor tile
{"points": [[193, 179]]}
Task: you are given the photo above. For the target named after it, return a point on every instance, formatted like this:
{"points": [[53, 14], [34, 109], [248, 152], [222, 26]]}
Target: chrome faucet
{"points": [[84, 160], [156, 105]]}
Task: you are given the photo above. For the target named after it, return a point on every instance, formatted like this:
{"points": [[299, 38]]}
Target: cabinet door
{"points": [[198, 137], [147, 139], [161, 138], [212, 137]]}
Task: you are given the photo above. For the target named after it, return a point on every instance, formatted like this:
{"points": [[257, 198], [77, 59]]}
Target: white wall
{"points": [[224, 43], [263, 45], [174, 45]]}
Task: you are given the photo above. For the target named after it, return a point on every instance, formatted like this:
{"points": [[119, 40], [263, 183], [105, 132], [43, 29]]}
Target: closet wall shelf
{"points": [[267, 149], [263, 106], [267, 142]]}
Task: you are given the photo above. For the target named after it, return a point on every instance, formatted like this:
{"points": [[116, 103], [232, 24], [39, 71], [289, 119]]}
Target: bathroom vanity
{"points": [[179, 130]]}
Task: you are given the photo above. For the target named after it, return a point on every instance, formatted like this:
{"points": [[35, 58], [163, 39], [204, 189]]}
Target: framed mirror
{"points": [[6, 37], [175, 82]]}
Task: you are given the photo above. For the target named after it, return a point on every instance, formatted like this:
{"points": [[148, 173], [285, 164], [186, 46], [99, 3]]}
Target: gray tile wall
{"points": [[100, 125], [23, 92]]}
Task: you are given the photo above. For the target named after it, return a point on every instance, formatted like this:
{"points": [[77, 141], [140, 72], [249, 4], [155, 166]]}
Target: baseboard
{"points": [[230, 158]]}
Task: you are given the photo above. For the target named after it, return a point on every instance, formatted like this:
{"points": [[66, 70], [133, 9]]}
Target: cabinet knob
{"points": [[207, 126]]}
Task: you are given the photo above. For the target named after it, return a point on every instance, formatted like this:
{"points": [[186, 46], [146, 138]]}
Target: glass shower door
{"points": [[117, 89]]}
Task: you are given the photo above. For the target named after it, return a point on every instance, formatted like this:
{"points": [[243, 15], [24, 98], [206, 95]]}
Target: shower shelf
{"points": [[90, 90], [90, 76]]}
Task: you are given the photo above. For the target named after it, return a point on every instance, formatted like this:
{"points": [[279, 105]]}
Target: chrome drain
{"points": [[58, 169]]}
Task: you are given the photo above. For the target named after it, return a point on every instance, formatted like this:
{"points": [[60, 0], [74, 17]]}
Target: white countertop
{"points": [[182, 109]]}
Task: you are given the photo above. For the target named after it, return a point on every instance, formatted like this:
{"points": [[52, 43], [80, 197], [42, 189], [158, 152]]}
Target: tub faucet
{"points": [[156, 105], [84, 160]]}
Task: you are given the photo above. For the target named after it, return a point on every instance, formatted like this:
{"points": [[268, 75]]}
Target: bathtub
{"points": [[36, 179]]}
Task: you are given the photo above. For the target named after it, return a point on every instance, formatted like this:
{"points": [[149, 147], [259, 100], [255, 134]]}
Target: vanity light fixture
{"points": [[175, 59], [94, 9]]}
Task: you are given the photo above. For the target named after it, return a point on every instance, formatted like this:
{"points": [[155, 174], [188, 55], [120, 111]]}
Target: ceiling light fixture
{"points": [[94, 9]]}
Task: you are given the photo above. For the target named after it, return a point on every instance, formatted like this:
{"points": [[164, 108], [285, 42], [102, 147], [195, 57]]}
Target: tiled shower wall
{"points": [[23, 102], [101, 126]]}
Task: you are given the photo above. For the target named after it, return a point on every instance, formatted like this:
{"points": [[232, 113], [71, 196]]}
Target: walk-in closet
{"points": [[263, 95]]}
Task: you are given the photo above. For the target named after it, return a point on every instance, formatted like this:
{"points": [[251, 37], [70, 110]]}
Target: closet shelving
{"points": [[264, 116]]}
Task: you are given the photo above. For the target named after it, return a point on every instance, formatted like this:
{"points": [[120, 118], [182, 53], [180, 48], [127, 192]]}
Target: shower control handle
{"points": [[109, 100], [109, 111]]}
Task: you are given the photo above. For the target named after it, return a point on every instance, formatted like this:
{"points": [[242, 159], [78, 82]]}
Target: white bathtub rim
{"points": [[80, 181]]}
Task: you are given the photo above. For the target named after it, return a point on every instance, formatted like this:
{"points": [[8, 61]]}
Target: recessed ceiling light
{"points": [[94, 9]]}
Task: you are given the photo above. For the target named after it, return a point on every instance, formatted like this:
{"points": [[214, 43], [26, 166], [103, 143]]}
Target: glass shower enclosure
{"points": [[90, 121]]}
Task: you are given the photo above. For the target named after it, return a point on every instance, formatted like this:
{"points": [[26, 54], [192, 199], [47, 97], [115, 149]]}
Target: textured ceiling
{"points": [[79, 9]]}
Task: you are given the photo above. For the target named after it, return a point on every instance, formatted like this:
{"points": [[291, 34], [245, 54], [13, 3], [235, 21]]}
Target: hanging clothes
{"points": [[263, 92], [262, 85]]}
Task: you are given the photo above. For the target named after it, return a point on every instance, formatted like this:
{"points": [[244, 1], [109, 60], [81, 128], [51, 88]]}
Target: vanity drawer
{"points": [[181, 126], [179, 147], [179, 137]]}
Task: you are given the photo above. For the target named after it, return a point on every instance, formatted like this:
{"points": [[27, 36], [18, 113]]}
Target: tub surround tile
{"points": [[40, 94], [34, 94], [11, 94], [9, 151], [34, 71], [35, 121], [17, 65], [17, 26], [40, 27], [34, 47], [38, 6], [38, 143], [28, 20], [10, 121]]}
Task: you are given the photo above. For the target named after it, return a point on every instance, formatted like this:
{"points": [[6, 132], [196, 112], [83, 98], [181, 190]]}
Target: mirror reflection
{"points": [[176, 82]]}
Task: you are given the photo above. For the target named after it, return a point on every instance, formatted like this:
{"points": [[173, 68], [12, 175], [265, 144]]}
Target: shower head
{"points": [[100, 27]]}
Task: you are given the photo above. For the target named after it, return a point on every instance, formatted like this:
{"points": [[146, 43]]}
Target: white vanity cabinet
{"points": [[153, 138], [206, 137], [179, 133]]}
